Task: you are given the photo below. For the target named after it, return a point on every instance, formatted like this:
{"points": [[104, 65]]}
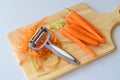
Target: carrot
{"points": [[80, 36], [26, 34], [86, 33], [100, 33], [70, 20], [78, 42], [79, 19], [95, 29], [34, 54], [23, 40], [74, 24]]}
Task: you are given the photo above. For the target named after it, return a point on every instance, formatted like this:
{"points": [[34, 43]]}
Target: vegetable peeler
{"points": [[55, 49]]}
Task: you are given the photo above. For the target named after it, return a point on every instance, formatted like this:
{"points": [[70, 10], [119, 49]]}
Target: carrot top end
{"points": [[67, 10], [57, 24]]}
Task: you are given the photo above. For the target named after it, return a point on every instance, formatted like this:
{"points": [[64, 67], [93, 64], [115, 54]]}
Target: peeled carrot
{"points": [[95, 29], [78, 42], [69, 20], [100, 33], [80, 36], [84, 32], [79, 19], [75, 25]]}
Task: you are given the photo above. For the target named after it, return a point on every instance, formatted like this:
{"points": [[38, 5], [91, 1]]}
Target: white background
{"points": [[17, 13]]}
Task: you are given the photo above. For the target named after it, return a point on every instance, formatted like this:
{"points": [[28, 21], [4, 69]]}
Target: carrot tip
{"points": [[103, 40], [94, 55]]}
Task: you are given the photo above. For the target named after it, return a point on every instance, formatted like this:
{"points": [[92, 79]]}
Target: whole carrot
{"points": [[79, 19], [83, 31], [100, 33], [95, 29], [75, 25], [69, 20], [80, 36], [78, 42]]}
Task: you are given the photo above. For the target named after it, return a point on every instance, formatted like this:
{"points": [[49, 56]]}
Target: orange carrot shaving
{"points": [[23, 40], [34, 54], [78, 42], [26, 34]]}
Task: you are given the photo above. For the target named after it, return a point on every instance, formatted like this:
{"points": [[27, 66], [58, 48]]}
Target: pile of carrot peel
{"points": [[36, 57], [82, 32]]}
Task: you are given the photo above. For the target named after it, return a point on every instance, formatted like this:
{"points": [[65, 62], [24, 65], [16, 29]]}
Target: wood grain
{"points": [[104, 22]]}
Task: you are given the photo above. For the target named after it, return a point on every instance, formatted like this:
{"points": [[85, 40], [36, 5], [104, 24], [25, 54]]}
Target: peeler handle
{"points": [[62, 53]]}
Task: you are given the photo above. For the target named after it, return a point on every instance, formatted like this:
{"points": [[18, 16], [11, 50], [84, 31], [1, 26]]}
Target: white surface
{"points": [[17, 13]]}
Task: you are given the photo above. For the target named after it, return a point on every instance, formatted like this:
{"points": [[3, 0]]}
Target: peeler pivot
{"points": [[55, 49]]}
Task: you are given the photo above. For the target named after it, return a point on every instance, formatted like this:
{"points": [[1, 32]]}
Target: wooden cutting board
{"points": [[104, 22]]}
